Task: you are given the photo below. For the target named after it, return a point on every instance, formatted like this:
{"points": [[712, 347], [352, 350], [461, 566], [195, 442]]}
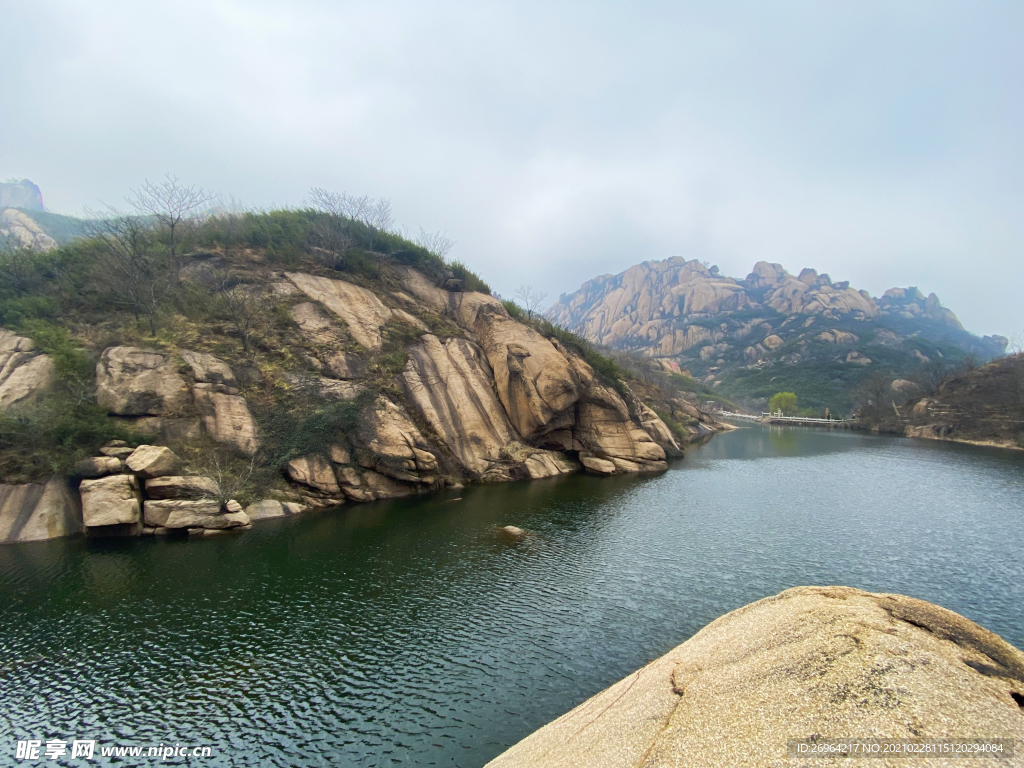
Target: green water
{"points": [[410, 633]]}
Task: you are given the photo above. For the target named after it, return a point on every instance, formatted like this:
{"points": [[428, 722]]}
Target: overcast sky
{"points": [[881, 142]]}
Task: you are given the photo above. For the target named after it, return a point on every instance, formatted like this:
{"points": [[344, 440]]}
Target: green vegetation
{"points": [[122, 284], [297, 426], [784, 402], [47, 437]]}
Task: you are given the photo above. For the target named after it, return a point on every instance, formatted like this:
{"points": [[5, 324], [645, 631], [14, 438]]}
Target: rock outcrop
{"points": [[24, 373], [152, 461], [37, 511], [363, 312], [113, 500], [984, 405], [192, 513], [389, 443], [811, 662], [226, 418], [451, 384], [139, 382], [271, 508], [23, 231]]}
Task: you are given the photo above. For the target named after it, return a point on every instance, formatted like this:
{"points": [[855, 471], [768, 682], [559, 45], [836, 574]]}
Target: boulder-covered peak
{"points": [[691, 317]]}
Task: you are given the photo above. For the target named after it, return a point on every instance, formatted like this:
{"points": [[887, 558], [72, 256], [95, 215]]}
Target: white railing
{"points": [[778, 416]]}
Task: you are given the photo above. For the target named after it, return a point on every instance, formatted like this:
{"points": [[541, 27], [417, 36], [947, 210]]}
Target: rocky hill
{"points": [[268, 363], [983, 405], [768, 332]]}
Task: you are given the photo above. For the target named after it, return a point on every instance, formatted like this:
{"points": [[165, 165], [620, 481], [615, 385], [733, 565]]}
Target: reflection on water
{"points": [[409, 632]]}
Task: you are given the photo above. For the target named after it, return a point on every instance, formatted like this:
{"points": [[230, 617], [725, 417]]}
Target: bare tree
{"points": [[931, 374], [380, 216], [530, 299], [438, 243], [874, 393], [248, 308], [173, 205], [130, 265]]}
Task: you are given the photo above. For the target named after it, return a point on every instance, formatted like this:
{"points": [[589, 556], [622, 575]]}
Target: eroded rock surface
{"points": [[211, 370], [153, 461], [139, 382], [389, 443], [363, 312], [825, 661], [113, 500], [197, 513], [226, 418], [24, 373], [37, 511], [450, 383]]}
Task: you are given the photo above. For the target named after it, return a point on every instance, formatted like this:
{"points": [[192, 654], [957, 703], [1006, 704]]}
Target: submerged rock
{"points": [[809, 662]]}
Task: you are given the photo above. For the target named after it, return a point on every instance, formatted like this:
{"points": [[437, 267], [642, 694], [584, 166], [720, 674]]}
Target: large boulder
{"points": [[390, 444], [361, 309], [24, 373], [314, 472], [451, 384], [36, 511], [100, 466], [112, 500], [139, 382], [271, 508], [153, 461], [194, 513], [207, 369], [226, 418], [809, 663], [605, 430], [182, 487]]}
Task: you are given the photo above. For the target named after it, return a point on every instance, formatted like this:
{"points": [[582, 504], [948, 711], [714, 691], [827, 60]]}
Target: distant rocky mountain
{"points": [[770, 331], [21, 194], [25, 223], [20, 230]]}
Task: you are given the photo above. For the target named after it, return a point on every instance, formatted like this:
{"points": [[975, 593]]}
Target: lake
{"points": [[410, 633]]}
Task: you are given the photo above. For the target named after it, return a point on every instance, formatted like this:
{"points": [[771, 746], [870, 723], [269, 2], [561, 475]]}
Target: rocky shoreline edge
{"points": [[810, 663]]}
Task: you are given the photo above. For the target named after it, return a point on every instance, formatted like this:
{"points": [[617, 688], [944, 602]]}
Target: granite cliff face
{"points": [[725, 330], [807, 664]]}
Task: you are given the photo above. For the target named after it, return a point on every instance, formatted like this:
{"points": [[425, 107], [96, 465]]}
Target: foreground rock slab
{"points": [[826, 661]]}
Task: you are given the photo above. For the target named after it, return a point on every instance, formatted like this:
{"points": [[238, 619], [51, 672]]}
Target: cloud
{"points": [[878, 142]]}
